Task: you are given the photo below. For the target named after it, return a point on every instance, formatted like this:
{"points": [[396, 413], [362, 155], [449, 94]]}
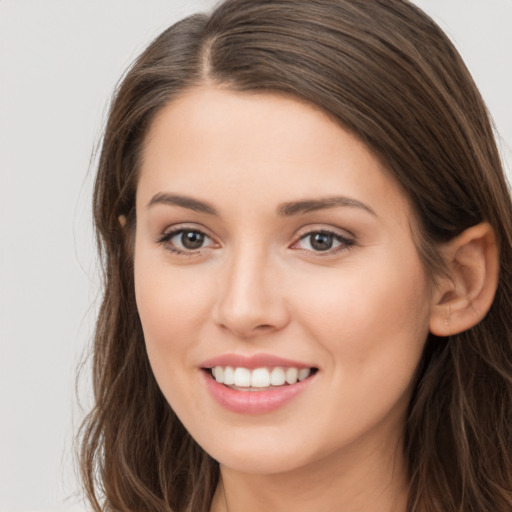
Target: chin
{"points": [[267, 453], [266, 463]]}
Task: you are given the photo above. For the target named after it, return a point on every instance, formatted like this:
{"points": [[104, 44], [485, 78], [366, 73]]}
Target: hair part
{"points": [[387, 73]]}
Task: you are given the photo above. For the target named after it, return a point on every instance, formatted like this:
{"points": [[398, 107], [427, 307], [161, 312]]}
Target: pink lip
{"points": [[252, 362], [254, 402]]}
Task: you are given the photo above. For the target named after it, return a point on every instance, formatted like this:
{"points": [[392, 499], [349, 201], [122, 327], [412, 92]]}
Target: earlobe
{"points": [[464, 296], [122, 220]]}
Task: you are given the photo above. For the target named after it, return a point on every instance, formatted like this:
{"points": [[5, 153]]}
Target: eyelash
{"points": [[345, 243], [167, 237]]}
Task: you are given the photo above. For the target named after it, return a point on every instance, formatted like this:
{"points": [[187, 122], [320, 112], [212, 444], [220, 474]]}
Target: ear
{"points": [[463, 298], [122, 220]]}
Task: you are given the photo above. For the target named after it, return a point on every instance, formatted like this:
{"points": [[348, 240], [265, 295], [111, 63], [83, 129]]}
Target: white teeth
{"points": [[219, 374], [259, 377], [277, 377], [242, 377], [229, 375], [304, 373], [292, 374]]}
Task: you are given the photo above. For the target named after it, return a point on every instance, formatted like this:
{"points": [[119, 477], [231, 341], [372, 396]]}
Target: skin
{"points": [[359, 314]]}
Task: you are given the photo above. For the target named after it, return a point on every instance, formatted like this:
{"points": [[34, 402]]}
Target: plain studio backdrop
{"points": [[59, 62]]}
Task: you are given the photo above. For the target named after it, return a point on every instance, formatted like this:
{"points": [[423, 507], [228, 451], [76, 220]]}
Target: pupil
{"points": [[321, 241], [192, 239]]}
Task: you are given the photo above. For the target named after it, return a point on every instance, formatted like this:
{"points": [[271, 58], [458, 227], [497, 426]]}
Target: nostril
{"points": [[247, 331], [264, 327]]}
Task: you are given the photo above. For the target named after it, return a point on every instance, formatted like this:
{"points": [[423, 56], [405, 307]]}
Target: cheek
{"points": [[172, 306], [370, 313], [165, 301], [372, 331], [173, 303]]}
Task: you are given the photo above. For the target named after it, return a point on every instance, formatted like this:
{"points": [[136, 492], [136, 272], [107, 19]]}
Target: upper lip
{"points": [[252, 362]]}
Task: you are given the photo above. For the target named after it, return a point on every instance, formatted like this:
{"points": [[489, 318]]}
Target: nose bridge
{"points": [[250, 299]]}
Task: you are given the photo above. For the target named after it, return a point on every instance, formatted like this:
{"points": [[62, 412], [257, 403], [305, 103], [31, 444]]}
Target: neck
{"points": [[348, 480]]}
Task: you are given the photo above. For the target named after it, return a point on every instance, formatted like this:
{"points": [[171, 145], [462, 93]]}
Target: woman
{"points": [[306, 234]]}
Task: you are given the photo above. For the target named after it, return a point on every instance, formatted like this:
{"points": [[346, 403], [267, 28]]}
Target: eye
{"points": [[323, 241], [191, 240], [185, 241]]}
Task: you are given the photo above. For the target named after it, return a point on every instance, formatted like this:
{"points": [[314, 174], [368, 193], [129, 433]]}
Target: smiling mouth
{"points": [[259, 379]]}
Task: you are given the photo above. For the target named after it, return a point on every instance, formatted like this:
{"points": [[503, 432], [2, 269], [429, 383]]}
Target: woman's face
{"points": [[269, 242]]}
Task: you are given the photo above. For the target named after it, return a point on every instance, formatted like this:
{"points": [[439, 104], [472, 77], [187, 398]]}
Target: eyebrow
{"points": [[311, 205], [183, 201], [283, 210]]}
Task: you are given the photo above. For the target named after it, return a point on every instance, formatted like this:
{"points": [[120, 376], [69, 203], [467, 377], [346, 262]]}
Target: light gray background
{"points": [[59, 62]]}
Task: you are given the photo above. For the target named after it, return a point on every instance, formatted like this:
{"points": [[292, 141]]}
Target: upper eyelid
{"points": [[177, 228], [307, 230]]}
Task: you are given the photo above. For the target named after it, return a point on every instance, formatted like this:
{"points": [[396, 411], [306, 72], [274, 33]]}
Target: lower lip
{"points": [[254, 402]]}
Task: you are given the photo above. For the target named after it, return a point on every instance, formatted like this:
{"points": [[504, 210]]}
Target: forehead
{"points": [[259, 149]]}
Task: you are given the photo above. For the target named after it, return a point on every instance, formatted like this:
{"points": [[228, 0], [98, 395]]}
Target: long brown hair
{"points": [[386, 72]]}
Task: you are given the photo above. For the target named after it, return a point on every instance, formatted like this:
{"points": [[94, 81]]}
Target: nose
{"points": [[251, 298]]}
